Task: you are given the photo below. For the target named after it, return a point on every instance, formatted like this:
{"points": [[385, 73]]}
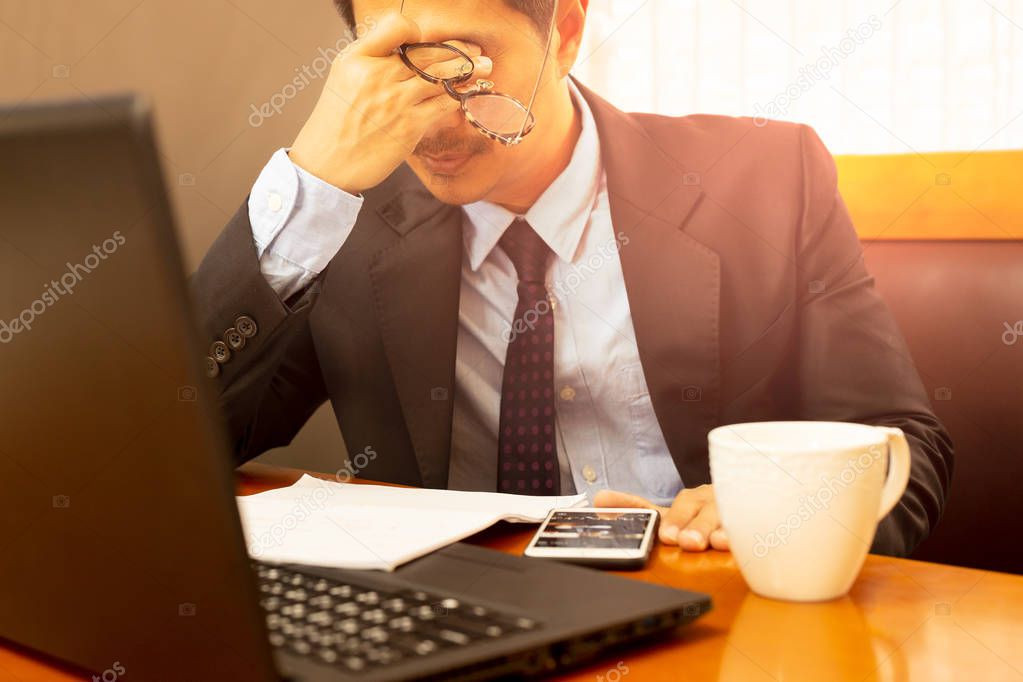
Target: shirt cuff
{"points": [[297, 218]]}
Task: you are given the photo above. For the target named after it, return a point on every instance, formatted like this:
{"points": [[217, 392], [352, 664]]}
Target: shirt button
{"points": [[274, 201], [567, 393], [589, 474]]}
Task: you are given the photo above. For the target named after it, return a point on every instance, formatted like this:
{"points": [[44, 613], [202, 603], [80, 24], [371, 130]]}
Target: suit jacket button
{"points": [[212, 368], [246, 326], [220, 352], [234, 339]]}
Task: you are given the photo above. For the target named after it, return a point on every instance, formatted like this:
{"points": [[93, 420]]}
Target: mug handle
{"points": [[898, 469]]}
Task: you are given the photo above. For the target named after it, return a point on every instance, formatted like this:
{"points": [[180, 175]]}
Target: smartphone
{"points": [[611, 538]]}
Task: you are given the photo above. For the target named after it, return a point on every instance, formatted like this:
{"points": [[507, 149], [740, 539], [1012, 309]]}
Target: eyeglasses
{"points": [[499, 116]]}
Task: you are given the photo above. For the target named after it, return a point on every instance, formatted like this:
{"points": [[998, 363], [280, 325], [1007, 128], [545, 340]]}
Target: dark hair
{"points": [[538, 11]]}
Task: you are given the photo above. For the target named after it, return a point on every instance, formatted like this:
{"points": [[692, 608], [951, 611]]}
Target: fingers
{"points": [[432, 101], [695, 537], [685, 507], [444, 64], [392, 30], [435, 107], [719, 540], [613, 498], [480, 67], [693, 522]]}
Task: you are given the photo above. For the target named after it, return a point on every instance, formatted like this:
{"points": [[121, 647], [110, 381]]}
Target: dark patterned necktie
{"points": [[527, 461]]}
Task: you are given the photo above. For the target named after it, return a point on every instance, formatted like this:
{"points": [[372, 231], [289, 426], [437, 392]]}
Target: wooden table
{"points": [[903, 620]]}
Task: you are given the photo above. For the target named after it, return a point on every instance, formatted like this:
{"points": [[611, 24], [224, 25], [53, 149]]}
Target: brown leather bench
{"points": [[953, 300]]}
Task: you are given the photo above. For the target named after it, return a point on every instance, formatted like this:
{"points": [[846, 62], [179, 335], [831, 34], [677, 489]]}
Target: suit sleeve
{"points": [[270, 387], [853, 363]]}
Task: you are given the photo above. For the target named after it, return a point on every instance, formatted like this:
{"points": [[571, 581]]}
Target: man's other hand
{"points": [[692, 521]]}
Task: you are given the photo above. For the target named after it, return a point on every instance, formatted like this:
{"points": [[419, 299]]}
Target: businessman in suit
{"points": [[561, 301]]}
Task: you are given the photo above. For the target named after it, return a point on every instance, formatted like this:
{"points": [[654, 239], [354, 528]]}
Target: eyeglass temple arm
{"points": [[543, 67]]}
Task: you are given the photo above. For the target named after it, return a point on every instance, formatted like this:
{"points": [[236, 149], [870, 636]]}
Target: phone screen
{"points": [[610, 530]]}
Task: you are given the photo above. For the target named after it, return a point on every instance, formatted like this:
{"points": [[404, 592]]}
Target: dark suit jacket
{"points": [[744, 274]]}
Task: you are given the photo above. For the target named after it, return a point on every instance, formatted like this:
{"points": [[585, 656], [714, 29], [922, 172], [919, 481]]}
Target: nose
{"points": [[451, 120]]}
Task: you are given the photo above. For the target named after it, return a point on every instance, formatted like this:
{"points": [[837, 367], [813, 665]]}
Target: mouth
{"points": [[445, 164]]}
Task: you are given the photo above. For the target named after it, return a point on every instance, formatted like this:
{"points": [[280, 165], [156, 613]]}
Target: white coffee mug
{"points": [[800, 501]]}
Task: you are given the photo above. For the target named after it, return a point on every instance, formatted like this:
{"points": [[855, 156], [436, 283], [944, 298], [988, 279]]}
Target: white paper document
{"points": [[347, 525]]}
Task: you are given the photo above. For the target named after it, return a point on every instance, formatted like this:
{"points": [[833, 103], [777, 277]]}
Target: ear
{"points": [[571, 22]]}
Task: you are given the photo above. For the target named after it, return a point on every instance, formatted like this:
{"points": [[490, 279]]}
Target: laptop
{"points": [[121, 549]]}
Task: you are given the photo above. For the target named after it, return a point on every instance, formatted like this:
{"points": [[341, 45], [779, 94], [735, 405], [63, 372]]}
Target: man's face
{"points": [[454, 160]]}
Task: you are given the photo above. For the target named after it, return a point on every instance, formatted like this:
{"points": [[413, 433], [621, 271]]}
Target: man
{"points": [[569, 312]]}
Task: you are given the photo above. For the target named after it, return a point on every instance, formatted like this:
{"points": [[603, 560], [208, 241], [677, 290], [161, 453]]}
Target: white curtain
{"points": [[872, 76]]}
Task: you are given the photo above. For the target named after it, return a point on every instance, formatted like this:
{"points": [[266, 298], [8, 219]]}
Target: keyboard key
{"points": [[414, 644], [323, 618], [376, 634], [424, 612], [404, 624], [525, 623], [455, 637], [353, 663], [370, 598], [348, 608], [377, 616], [349, 626], [322, 601], [395, 605]]}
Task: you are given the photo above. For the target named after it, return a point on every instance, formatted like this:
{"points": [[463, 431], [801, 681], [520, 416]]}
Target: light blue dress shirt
{"points": [[608, 435]]}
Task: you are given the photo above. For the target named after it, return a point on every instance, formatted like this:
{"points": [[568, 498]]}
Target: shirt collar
{"points": [[561, 213]]}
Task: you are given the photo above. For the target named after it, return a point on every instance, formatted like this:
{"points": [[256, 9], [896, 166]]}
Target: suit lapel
{"points": [[672, 280], [415, 284]]}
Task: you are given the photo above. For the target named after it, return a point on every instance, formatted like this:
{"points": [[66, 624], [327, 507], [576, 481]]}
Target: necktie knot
{"points": [[527, 250]]}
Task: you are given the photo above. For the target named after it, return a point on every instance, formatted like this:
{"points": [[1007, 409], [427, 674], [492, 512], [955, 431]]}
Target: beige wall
{"points": [[204, 63]]}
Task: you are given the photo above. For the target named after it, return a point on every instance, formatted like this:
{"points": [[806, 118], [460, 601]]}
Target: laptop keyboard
{"points": [[358, 627]]}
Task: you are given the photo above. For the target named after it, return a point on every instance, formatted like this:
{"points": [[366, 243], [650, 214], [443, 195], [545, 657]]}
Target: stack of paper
{"points": [[345, 525]]}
